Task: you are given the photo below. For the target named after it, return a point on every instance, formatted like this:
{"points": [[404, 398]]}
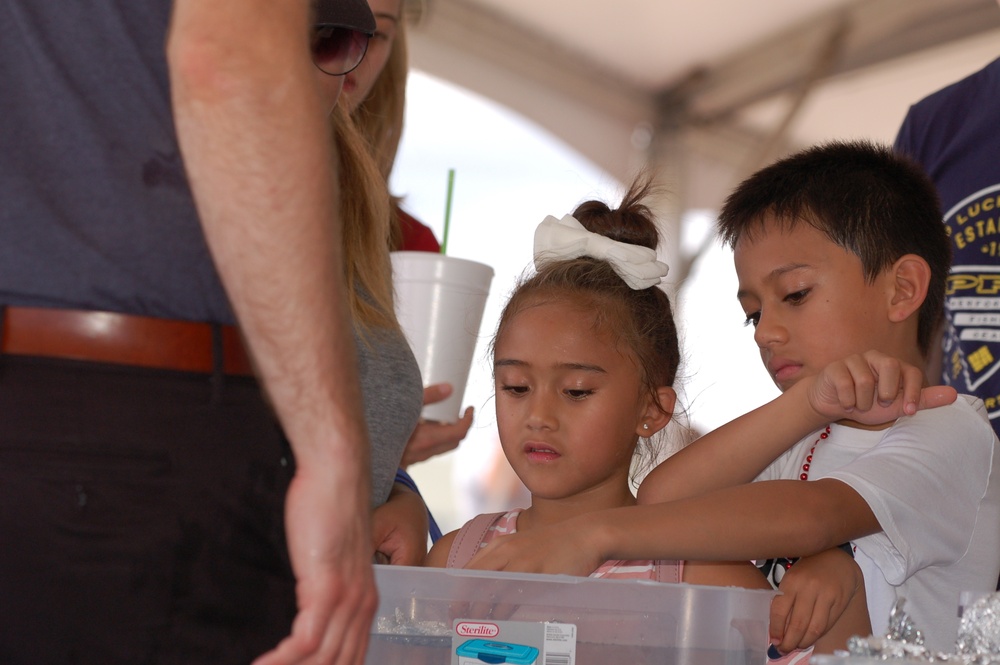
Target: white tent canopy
{"points": [[706, 91]]}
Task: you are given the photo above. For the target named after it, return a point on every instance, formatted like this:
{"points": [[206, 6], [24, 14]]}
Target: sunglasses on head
{"points": [[337, 50]]}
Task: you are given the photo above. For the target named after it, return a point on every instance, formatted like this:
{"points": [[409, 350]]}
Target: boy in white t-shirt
{"points": [[842, 263]]}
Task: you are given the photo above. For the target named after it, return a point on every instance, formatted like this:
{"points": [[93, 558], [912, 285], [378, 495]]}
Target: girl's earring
{"points": [[645, 426]]}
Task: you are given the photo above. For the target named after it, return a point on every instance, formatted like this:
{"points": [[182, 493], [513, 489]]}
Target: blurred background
{"points": [[539, 105]]}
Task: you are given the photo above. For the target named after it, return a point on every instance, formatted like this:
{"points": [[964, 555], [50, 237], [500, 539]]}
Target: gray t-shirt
{"points": [[392, 392]]}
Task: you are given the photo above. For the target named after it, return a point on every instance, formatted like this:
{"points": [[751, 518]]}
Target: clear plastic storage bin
{"points": [[619, 622]]}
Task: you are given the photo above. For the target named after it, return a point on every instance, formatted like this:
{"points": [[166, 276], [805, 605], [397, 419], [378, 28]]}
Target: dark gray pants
{"points": [[141, 516]]}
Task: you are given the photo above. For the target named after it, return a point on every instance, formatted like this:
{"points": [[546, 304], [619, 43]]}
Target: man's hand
{"points": [[330, 549], [431, 438]]}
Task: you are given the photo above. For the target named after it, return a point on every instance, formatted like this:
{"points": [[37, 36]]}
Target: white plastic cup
{"points": [[439, 303]]}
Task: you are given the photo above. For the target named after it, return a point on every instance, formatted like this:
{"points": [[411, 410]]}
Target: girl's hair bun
{"points": [[631, 222]]}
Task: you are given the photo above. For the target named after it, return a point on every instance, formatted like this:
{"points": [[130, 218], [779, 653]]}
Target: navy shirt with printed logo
{"points": [[955, 135]]}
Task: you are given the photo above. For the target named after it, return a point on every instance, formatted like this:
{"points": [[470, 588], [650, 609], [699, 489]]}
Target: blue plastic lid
{"points": [[498, 652]]}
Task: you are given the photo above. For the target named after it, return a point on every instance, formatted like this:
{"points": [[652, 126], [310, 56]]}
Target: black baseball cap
{"points": [[353, 14]]}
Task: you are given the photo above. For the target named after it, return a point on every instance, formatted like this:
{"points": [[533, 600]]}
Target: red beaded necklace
{"points": [[809, 458], [775, 569]]}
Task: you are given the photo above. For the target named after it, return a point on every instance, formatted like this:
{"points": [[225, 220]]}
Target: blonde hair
{"points": [[366, 221], [379, 117]]}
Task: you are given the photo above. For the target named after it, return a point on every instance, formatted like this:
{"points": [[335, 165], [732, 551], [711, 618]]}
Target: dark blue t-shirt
{"points": [[95, 209], [955, 135]]}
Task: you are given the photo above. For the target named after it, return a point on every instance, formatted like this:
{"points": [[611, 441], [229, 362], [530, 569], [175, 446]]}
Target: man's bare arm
{"points": [[256, 148]]}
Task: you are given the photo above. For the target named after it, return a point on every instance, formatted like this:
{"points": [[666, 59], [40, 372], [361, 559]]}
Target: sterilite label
{"points": [[475, 642]]}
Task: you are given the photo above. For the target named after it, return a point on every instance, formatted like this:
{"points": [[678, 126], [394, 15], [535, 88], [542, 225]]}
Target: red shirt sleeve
{"points": [[417, 237]]}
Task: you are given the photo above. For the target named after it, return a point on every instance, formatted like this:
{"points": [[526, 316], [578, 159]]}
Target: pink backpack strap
{"points": [[468, 538], [668, 572]]}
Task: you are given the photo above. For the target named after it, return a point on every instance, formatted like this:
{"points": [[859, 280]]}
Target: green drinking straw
{"points": [[447, 210]]}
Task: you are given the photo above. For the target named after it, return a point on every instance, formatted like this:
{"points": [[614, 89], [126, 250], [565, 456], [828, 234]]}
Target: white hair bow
{"points": [[566, 238]]}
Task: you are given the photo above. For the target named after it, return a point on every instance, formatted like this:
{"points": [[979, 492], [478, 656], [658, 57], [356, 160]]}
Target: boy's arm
{"points": [[822, 601], [735, 453], [871, 389], [758, 520]]}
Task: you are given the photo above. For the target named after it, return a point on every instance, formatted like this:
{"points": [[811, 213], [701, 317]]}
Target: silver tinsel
{"points": [[978, 637], [403, 624], [979, 633]]}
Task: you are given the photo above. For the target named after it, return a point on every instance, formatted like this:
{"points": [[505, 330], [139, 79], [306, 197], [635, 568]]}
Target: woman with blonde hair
{"points": [[390, 378], [375, 96]]}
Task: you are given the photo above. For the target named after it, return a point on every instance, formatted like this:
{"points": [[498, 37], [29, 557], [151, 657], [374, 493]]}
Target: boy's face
{"points": [[808, 301]]}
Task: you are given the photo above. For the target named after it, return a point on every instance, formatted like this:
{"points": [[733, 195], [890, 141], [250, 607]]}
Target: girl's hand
{"points": [[873, 389], [559, 549], [431, 438]]}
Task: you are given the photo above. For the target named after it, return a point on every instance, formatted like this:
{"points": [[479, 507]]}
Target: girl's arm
{"points": [[871, 389], [438, 556], [778, 518]]}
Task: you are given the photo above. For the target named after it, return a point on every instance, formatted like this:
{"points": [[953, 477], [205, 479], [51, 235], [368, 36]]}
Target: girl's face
{"points": [[359, 83], [570, 406]]}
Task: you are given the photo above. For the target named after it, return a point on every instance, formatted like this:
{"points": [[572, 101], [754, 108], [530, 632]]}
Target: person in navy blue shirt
{"points": [[955, 135]]}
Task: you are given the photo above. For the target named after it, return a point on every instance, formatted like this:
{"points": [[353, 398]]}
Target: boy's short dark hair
{"points": [[866, 198]]}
